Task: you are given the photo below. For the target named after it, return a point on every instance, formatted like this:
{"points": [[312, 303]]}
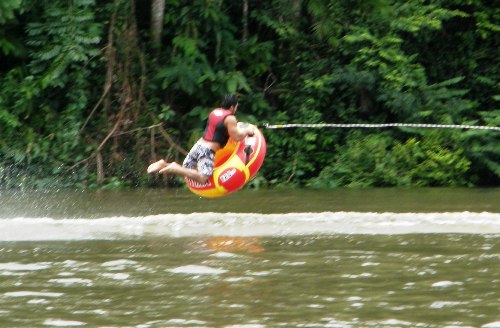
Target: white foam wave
{"points": [[246, 225]]}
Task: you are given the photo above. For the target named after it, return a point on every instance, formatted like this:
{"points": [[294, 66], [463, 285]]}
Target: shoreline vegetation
{"points": [[95, 91]]}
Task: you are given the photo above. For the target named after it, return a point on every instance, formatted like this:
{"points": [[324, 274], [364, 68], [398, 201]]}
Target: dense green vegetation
{"points": [[93, 91]]}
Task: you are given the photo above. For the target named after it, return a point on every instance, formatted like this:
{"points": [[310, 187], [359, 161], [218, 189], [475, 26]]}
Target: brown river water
{"points": [[265, 258]]}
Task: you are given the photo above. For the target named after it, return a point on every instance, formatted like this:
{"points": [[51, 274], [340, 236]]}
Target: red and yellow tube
{"points": [[234, 165]]}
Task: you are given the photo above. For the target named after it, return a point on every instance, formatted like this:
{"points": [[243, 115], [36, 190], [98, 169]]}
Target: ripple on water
{"points": [[248, 325], [239, 279], [116, 276], [119, 264], [197, 270], [32, 294], [38, 301], [72, 281], [297, 263], [63, 323], [185, 322], [397, 323], [446, 304], [224, 255], [14, 266], [357, 276], [444, 284]]}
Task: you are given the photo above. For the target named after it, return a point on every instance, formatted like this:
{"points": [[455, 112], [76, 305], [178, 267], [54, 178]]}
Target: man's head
{"points": [[230, 102]]}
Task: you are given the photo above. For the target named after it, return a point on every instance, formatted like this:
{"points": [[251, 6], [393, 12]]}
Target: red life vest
{"points": [[216, 130]]}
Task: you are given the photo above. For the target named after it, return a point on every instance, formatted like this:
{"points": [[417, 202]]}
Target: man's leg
{"points": [[157, 166], [174, 168]]}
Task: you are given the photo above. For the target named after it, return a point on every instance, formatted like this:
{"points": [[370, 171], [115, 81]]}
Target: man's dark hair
{"points": [[228, 101]]}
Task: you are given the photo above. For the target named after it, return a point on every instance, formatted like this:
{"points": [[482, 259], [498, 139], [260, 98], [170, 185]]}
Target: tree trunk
{"points": [[100, 168], [157, 13], [245, 20]]}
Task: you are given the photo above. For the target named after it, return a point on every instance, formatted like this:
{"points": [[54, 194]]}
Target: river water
{"points": [[280, 258]]}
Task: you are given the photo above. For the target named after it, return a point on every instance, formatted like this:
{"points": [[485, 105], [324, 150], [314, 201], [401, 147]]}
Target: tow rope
{"points": [[382, 125]]}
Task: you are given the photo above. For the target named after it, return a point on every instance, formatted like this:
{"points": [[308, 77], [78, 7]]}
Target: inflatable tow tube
{"points": [[234, 165]]}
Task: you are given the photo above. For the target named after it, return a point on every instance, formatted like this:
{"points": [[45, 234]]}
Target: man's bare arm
{"points": [[238, 134]]}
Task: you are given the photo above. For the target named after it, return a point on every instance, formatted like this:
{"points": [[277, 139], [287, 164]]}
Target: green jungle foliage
{"points": [[90, 96]]}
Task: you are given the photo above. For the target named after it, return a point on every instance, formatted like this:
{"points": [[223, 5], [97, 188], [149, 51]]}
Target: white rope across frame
{"points": [[382, 125]]}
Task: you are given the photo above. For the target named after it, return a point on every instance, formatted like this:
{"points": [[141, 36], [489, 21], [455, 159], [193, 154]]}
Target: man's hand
{"points": [[251, 130], [238, 133]]}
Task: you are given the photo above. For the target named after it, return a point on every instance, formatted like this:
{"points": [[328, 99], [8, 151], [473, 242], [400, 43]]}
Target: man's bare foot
{"points": [[157, 166], [170, 168]]}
